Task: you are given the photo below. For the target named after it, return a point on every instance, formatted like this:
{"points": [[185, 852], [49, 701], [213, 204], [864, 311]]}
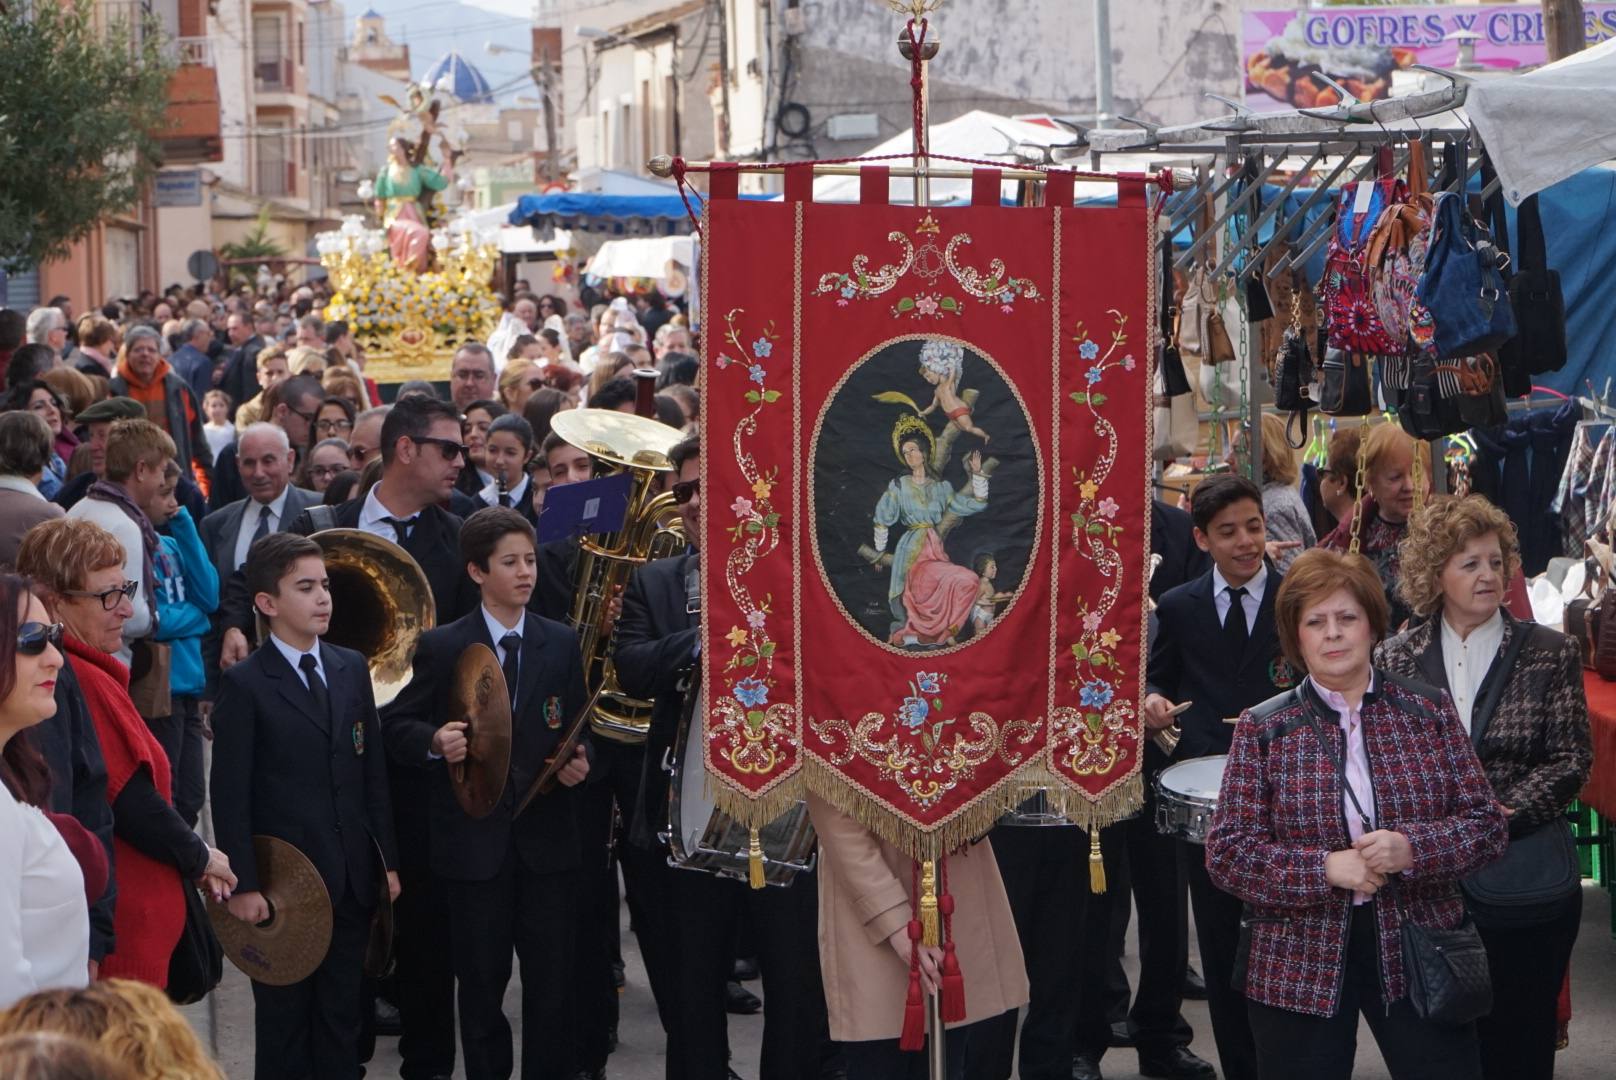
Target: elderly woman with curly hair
{"points": [[1351, 804], [1518, 689]]}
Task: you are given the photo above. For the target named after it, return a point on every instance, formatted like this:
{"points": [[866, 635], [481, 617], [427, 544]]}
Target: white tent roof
{"points": [[1548, 124], [517, 239], [641, 257], [977, 134]]}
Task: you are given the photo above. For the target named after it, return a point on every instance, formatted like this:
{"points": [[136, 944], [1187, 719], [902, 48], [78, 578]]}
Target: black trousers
{"points": [[180, 736], [310, 1030], [424, 977], [597, 1009], [534, 914], [1217, 930], [1147, 865], [880, 1059], [1045, 872], [785, 925], [1528, 964], [1292, 1045]]}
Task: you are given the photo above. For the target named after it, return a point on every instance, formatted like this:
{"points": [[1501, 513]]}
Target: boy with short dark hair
{"points": [[513, 882], [296, 756], [1216, 652]]}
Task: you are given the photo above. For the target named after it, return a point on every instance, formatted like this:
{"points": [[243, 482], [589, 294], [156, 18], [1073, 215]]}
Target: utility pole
{"points": [[543, 74], [1563, 28], [1102, 61]]}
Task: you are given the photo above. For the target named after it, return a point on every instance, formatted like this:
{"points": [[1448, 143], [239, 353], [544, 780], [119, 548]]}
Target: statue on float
{"points": [[406, 187]]}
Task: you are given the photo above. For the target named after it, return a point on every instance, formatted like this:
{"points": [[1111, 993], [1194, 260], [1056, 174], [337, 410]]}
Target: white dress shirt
{"points": [[1251, 601], [1467, 660], [276, 509], [373, 513], [497, 630], [490, 493], [44, 918], [295, 658]]}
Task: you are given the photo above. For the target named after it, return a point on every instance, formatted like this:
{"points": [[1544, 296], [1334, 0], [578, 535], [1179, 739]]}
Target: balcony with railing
{"points": [[193, 131]]}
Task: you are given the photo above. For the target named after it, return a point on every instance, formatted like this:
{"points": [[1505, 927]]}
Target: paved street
{"points": [[227, 1019]]}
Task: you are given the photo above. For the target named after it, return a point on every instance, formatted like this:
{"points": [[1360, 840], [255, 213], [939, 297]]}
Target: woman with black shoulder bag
{"points": [[1518, 689]]}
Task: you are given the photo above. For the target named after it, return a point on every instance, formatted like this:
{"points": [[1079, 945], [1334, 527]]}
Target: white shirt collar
{"points": [[20, 483], [371, 515], [497, 629], [277, 505], [295, 658], [1488, 634], [1254, 588], [490, 492]]}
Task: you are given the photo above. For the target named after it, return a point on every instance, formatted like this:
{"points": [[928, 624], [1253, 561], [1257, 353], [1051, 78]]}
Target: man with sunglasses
{"points": [[657, 645], [290, 405]]}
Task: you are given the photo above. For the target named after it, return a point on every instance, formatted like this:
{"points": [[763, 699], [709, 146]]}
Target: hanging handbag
{"points": [[1345, 386], [1422, 409], [1539, 344], [1444, 971], [197, 963], [1538, 871], [1173, 377], [1462, 288], [1176, 426], [1346, 290]]}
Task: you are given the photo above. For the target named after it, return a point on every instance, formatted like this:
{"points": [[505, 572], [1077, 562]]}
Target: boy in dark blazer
{"points": [[296, 756], [512, 881], [1216, 647]]}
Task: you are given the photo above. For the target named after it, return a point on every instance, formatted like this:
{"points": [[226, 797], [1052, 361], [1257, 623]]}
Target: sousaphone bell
{"points": [[381, 604]]}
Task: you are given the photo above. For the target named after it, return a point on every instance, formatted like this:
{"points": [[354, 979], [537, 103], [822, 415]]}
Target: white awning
{"points": [[642, 257]]}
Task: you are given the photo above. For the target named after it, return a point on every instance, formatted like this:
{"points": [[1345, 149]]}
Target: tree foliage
{"points": [[82, 102], [257, 244]]}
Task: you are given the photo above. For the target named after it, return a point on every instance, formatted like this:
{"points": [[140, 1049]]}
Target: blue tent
{"points": [[620, 215]]}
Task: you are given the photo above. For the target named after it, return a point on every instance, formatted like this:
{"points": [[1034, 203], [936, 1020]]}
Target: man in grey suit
{"points": [[264, 459]]}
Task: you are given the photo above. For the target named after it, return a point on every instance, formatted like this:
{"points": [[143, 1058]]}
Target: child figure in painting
{"points": [[941, 364], [988, 598]]}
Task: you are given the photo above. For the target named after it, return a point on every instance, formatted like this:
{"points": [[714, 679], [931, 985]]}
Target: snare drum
{"points": [[702, 837], [1187, 797], [1034, 808]]}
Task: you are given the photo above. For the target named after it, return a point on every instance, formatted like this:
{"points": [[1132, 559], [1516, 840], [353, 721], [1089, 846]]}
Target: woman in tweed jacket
{"points": [[1327, 891], [1457, 562]]}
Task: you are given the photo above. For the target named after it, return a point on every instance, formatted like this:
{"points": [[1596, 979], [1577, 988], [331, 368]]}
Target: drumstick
{"points": [[1176, 709]]}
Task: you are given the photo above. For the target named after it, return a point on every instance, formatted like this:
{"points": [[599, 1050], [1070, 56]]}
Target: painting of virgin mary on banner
{"points": [[925, 469]]}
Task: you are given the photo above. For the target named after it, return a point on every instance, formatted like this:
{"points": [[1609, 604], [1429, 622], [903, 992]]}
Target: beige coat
{"points": [[20, 510], [864, 895]]}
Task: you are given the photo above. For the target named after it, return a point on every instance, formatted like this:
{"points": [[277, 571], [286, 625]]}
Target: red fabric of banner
{"points": [[925, 492]]}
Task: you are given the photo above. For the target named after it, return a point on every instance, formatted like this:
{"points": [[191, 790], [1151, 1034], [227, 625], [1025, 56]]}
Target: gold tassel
{"points": [[1096, 863], [754, 860], [928, 904]]}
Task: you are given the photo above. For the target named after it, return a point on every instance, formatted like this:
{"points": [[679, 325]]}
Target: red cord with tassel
{"points": [[953, 979], [913, 1036]]}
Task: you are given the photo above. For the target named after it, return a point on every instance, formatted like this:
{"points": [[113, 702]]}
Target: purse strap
{"points": [[1482, 714], [1310, 698], [1497, 216]]}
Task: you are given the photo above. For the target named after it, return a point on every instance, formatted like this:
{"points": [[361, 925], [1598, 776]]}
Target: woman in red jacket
{"points": [[1350, 803], [80, 567]]}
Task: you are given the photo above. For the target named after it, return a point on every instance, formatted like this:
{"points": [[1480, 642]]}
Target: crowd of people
{"points": [[162, 466]]}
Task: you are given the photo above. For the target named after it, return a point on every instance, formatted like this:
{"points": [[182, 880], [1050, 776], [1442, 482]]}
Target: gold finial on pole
{"points": [[915, 9]]}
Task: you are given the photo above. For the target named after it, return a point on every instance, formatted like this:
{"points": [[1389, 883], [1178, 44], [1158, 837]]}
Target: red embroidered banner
{"points": [[926, 455]]}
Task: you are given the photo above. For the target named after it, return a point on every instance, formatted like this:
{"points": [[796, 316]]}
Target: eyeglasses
{"points": [[685, 490], [447, 447], [358, 455], [308, 418], [324, 472], [334, 427], [108, 598], [32, 637]]}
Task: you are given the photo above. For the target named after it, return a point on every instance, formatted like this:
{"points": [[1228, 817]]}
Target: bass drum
{"points": [[702, 837]]}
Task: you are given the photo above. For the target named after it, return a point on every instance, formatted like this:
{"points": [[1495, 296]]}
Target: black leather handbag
{"points": [[1539, 871], [1175, 380], [1540, 327], [197, 963], [1345, 388]]}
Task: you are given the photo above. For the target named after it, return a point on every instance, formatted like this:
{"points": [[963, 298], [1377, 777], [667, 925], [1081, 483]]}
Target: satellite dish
{"points": [[202, 265]]}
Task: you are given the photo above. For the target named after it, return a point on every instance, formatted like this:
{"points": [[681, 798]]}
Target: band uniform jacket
{"points": [[655, 651], [1280, 813], [550, 688], [864, 897], [1189, 661], [317, 782], [1172, 537], [1536, 749]]}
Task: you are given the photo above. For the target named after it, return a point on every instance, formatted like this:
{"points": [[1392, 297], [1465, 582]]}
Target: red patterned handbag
{"points": [[1347, 290]]}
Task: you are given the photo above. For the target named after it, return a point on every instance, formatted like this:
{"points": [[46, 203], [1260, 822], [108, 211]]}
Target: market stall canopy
{"points": [[647, 257], [1549, 124], [516, 241], [622, 215]]}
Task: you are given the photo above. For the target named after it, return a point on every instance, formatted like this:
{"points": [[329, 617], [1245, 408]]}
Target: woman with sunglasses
{"points": [[79, 567], [44, 914]]}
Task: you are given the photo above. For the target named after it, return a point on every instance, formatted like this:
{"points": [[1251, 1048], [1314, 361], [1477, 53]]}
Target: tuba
{"points": [[381, 604], [652, 529]]}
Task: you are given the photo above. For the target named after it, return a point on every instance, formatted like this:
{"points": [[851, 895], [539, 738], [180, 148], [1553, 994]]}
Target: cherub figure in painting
{"points": [[942, 363], [988, 595]]}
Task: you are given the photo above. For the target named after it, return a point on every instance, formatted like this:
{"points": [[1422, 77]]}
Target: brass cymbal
{"points": [[288, 946], [482, 700], [379, 949], [618, 438]]}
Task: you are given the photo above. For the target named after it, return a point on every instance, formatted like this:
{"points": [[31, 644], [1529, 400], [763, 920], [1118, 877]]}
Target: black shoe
{"points": [[741, 1001], [1085, 1067], [1120, 1035], [746, 969], [388, 1022], [1194, 985], [1176, 1064]]}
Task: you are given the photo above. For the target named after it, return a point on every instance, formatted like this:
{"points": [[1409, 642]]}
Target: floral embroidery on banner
{"points": [[744, 728], [928, 262], [918, 748], [1088, 740]]}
